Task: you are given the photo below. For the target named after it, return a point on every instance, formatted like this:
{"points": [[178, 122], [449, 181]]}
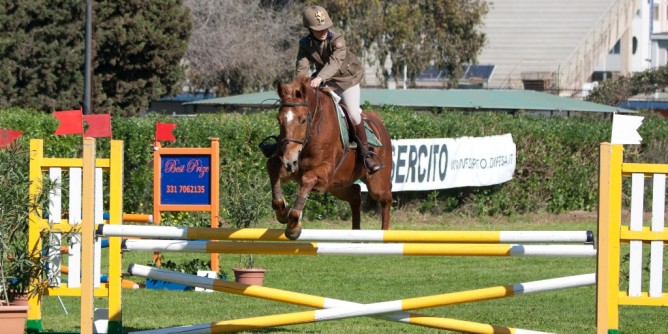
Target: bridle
{"points": [[310, 117]]}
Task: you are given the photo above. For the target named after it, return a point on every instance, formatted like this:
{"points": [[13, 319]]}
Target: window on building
{"points": [[656, 12], [634, 45], [617, 49]]}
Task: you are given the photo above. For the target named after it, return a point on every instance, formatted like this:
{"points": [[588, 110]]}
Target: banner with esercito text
{"points": [[442, 163]]}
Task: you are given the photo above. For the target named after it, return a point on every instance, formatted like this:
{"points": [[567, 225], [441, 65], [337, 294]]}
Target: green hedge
{"points": [[557, 158]]}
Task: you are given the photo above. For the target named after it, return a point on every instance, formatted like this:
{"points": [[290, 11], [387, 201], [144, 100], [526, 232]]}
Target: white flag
{"points": [[625, 129]]}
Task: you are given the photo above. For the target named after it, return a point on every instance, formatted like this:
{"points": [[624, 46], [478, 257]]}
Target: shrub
{"points": [[556, 170]]}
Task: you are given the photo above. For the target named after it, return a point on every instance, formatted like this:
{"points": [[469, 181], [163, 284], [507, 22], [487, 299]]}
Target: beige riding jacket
{"points": [[334, 64]]}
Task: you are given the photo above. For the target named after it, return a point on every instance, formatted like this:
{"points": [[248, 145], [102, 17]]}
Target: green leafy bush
{"points": [[16, 265], [556, 170]]}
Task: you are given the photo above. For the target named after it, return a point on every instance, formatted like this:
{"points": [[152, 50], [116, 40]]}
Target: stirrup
{"points": [[373, 156]]}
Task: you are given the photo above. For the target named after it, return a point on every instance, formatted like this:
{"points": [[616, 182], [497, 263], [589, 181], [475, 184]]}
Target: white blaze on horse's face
{"points": [[289, 116], [293, 132]]}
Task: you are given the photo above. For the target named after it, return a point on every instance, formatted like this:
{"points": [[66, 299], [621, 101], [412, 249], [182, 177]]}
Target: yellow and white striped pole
{"points": [[324, 248], [258, 234], [332, 309]]}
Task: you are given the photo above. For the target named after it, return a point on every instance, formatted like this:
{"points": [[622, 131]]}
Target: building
{"points": [[561, 47], [566, 47]]}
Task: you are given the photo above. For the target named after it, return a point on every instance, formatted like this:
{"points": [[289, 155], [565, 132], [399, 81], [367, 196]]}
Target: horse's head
{"points": [[293, 119]]}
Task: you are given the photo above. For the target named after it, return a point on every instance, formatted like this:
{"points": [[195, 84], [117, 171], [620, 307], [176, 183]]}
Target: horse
{"points": [[310, 151]]}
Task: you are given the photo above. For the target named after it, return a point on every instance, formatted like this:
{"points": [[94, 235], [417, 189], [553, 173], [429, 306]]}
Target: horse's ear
{"points": [[304, 84], [281, 90]]}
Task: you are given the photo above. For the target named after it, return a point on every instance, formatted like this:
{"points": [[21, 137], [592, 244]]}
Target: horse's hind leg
{"points": [[276, 171], [386, 205], [353, 196], [384, 198]]}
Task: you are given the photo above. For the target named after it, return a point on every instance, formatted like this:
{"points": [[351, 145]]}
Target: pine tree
{"points": [[138, 46]]}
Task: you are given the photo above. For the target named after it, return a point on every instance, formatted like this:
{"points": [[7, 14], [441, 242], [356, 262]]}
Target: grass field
{"points": [[369, 279]]}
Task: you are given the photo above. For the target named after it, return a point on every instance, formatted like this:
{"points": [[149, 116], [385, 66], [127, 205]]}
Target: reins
{"points": [[310, 118], [294, 104]]}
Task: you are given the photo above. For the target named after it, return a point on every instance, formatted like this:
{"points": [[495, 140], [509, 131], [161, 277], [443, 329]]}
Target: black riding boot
{"points": [[367, 156]]}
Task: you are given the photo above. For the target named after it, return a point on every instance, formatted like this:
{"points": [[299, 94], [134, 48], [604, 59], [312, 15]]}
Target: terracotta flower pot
{"points": [[251, 276], [13, 318]]}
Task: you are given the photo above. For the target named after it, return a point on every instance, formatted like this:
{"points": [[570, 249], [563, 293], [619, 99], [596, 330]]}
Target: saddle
{"points": [[345, 123]]}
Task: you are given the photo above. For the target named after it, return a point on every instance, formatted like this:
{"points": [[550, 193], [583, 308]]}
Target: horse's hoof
{"points": [[279, 209], [294, 216], [294, 228], [278, 204], [294, 233], [283, 219]]}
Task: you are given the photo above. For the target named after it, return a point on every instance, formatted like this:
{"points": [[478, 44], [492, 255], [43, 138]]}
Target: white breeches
{"points": [[351, 98]]}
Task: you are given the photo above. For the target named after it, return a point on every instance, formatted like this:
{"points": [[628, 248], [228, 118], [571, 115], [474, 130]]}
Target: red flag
{"points": [[9, 136], [71, 122], [98, 125], [163, 131]]}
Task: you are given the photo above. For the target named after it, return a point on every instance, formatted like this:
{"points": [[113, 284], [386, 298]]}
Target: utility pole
{"points": [[87, 61]]}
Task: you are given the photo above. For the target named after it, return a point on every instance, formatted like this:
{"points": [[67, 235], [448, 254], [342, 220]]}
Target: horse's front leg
{"points": [[276, 172], [294, 228]]}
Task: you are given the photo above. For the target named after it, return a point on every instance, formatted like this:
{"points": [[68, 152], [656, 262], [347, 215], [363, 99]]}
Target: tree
{"points": [[138, 46], [617, 90], [413, 34], [244, 46], [241, 46], [40, 58]]}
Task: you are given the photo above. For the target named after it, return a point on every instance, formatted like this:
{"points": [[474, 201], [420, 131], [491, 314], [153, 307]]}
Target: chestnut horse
{"points": [[310, 152]]}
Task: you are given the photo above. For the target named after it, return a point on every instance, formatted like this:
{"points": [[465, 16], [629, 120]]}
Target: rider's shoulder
{"points": [[337, 40], [305, 40], [333, 35]]}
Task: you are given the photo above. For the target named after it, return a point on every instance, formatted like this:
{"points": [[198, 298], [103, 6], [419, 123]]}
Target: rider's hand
{"points": [[315, 82]]}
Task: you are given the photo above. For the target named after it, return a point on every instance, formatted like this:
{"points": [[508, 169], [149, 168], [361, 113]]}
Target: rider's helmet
{"points": [[316, 18]]}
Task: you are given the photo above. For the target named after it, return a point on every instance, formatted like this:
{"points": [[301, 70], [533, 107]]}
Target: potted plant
{"points": [[17, 270], [243, 204]]}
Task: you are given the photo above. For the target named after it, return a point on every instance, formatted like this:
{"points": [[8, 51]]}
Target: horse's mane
{"points": [[295, 91]]}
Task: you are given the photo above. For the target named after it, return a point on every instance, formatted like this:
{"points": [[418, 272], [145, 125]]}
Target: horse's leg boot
{"points": [[367, 156]]}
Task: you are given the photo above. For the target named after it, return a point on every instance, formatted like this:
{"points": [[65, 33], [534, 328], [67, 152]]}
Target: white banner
{"points": [[441, 163]]}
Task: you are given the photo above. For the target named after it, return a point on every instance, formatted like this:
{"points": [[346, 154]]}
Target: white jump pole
{"points": [[257, 234]]}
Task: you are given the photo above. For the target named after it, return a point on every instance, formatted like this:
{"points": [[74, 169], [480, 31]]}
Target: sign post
{"points": [[186, 179]]}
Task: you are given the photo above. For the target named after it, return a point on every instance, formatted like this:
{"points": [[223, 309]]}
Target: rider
{"points": [[337, 67]]}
